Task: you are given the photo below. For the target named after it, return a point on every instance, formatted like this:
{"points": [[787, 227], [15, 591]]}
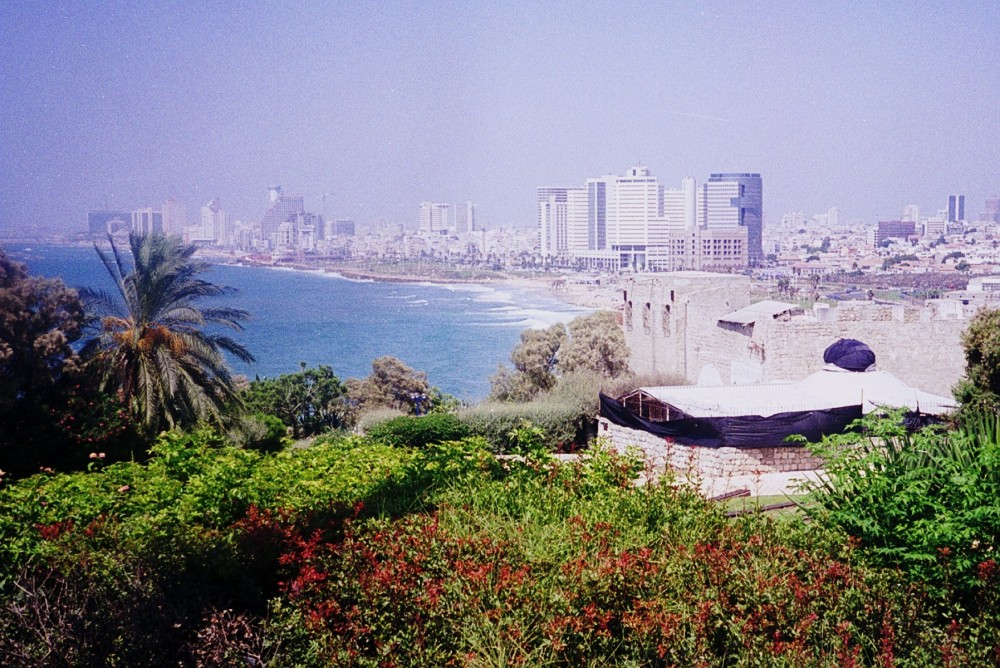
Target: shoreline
{"points": [[585, 295], [560, 287]]}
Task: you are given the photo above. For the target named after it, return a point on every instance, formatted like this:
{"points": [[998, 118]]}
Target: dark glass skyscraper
{"points": [[750, 205], [956, 208]]}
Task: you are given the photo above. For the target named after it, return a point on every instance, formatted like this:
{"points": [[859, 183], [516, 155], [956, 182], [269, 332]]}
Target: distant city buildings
{"points": [[894, 229], [633, 222], [342, 227]]}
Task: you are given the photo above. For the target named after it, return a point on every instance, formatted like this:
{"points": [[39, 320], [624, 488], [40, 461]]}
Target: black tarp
{"points": [[745, 431], [849, 354]]}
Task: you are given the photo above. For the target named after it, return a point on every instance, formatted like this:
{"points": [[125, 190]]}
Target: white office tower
{"points": [[679, 206], [833, 217], [551, 221], [911, 214], [577, 236], [213, 227], [634, 208], [690, 188], [435, 217]]}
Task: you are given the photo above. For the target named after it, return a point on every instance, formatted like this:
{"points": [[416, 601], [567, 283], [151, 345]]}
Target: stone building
{"points": [[702, 327]]}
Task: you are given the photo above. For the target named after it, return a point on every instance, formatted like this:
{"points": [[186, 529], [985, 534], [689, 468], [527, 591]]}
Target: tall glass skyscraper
{"points": [[956, 208], [747, 201]]}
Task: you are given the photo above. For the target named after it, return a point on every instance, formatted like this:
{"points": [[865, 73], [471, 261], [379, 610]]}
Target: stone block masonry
{"points": [[701, 462]]}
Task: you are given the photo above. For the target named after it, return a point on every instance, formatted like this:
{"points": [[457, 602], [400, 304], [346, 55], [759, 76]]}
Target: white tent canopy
{"points": [[830, 387]]}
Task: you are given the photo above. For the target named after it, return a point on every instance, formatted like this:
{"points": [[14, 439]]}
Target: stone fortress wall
{"points": [[671, 324]]}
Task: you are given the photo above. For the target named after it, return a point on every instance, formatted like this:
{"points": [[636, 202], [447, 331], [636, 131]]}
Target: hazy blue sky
{"points": [[864, 105]]}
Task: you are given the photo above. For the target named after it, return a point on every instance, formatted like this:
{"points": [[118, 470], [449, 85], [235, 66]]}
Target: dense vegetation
{"points": [[352, 552], [215, 543]]}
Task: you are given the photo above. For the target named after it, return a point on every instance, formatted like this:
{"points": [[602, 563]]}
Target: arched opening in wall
{"points": [[666, 320], [628, 316], [647, 317]]}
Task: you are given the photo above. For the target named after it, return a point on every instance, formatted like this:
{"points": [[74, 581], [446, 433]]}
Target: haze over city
{"points": [[368, 109]]}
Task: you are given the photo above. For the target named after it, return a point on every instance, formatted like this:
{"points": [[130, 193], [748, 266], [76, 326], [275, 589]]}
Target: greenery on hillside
{"points": [[215, 543]]}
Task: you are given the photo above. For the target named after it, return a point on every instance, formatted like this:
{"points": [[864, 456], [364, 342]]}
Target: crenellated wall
{"points": [[920, 345]]}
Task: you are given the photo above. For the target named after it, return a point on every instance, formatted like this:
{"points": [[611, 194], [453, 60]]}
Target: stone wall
{"points": [[679, 333], [669, 336], [701, 462]]}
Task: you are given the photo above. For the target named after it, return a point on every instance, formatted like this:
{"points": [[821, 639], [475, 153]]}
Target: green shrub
{"points": [[565, 425], [267, 433], [418, 432], [926, 502]]}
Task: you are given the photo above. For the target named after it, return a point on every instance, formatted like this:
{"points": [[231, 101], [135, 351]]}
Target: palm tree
{"points": [[150, 347]]}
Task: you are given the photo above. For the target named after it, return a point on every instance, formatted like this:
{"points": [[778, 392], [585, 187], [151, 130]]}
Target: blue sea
{"points": [[458, 334]]}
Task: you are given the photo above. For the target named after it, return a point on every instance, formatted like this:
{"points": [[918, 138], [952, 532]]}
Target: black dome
{"points": [[849, 354]]}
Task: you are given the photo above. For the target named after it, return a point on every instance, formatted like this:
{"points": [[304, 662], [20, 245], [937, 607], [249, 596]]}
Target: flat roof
{"points": [[827, 388], [767, 308]]}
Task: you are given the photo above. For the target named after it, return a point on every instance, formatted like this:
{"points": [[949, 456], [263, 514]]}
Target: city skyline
{"points": [[366, 111]]}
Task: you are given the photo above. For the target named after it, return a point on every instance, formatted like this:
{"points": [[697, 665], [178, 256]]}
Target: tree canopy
{"points": [[40, 318], [151, 347], [308, 402], [593, 342], [596, 343], [391, 384], [980, 389]]}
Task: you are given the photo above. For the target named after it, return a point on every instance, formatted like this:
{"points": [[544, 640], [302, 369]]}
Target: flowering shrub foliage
{"points": [[360, 554]]}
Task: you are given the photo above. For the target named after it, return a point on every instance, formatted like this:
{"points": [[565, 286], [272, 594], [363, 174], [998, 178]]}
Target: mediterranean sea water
{"points": [[456, 333]]}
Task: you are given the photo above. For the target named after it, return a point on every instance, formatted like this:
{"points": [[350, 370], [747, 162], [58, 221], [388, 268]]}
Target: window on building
{"points": [[647, 317], [666, 320], [628, 316]]}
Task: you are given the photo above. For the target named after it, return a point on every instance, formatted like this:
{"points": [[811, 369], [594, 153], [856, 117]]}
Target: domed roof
{"points": [[850, 355]]}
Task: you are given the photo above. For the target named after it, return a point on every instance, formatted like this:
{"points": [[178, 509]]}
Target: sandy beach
{"points": [[577, 289]]}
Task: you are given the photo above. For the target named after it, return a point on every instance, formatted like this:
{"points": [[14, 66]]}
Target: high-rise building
{"points": [[213, 226], [911, 213], [281, 208], [174, 217], [147, 221], [991, 214], [435, 217], [577, 235], [599, 192], [956, 208], [735, 199], [795, 220], [552, 221], [467, 217], [635, 205]]}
